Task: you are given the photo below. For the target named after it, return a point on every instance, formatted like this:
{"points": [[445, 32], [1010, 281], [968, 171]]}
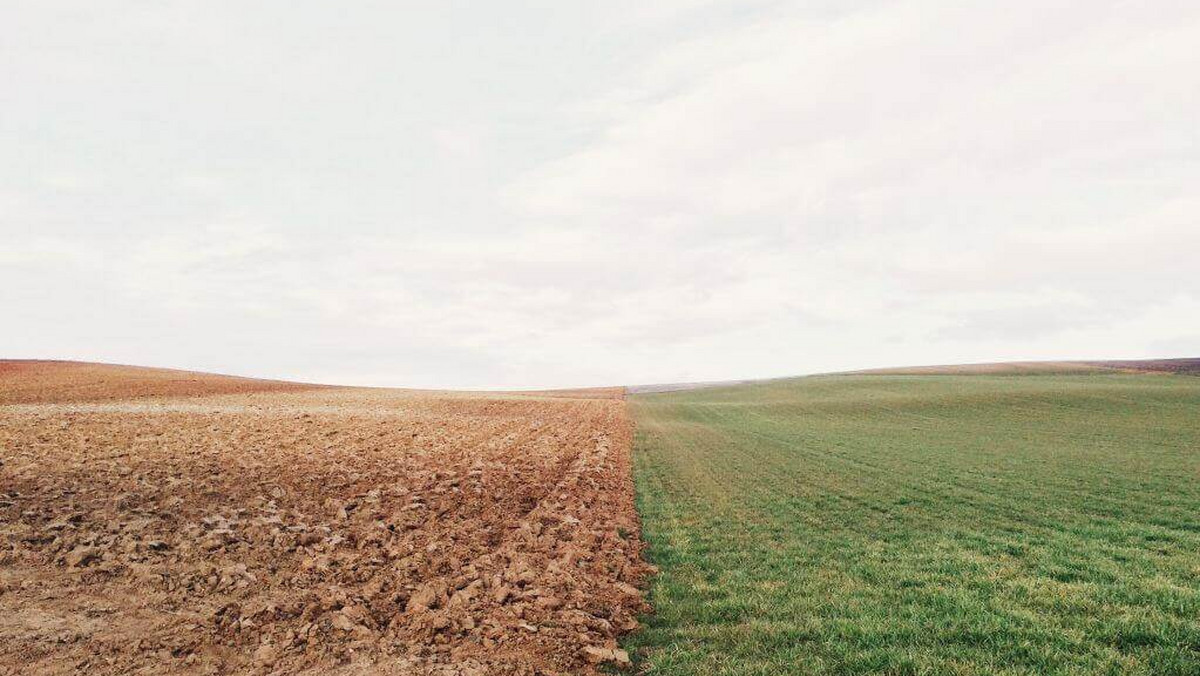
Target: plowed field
{"points": [[262, 527]]}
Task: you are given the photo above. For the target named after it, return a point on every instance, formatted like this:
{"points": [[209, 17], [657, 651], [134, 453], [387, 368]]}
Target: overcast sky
{"points": [[535, 194]]}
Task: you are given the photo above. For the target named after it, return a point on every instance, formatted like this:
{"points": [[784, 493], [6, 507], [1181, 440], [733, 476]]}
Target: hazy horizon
{"points": [[539, 195]]}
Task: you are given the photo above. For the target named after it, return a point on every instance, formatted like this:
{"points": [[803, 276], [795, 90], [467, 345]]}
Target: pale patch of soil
{"points": [[338, 530]]}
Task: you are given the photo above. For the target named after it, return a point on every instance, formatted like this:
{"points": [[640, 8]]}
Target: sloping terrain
{"points": [[997, 368], [30, 381], [1179, 366], [285, 529], [1184, 366], [1188, 366], [681, 387], [965, 524]]}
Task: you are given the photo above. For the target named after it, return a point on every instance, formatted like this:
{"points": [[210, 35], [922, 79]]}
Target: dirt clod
{"points": [[599, 655], [311, 530], [82, 556]]}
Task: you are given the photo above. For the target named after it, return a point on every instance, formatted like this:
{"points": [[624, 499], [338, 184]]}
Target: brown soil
{"points": [[25, 382], [324, 530]]}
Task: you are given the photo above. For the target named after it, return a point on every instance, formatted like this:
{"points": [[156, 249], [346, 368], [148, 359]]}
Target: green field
{"points": [[923, 525]]}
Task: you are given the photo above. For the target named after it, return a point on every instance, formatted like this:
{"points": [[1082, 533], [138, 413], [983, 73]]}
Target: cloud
{"points": [[703, 190]]}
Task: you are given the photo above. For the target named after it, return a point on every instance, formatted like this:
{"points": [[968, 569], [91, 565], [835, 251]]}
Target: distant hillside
{"points": [[678, 387], [35, 381], [1185, 366], [1189, 365]]}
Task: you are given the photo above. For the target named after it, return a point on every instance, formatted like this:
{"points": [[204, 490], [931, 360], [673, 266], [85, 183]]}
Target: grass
{"points": [[923, 525]]}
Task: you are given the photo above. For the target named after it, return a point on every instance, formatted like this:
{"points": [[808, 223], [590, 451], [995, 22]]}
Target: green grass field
{"points": [[923, 525]]}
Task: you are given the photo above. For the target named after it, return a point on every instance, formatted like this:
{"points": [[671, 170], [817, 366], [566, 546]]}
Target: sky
{"points": [[561, 193]]}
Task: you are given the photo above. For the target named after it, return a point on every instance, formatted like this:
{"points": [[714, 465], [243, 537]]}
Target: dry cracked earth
{"points": [[160, 521]]}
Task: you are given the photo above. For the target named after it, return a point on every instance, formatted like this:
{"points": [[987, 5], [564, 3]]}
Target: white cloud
{"points": [[705, 190]]}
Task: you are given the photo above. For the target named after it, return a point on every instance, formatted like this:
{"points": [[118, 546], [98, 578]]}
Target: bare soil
{"points": [[29, 381], [277, 528]]}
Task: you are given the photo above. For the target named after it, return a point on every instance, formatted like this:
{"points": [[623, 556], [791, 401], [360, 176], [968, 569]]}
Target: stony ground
{"points": [[330, 530]]}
